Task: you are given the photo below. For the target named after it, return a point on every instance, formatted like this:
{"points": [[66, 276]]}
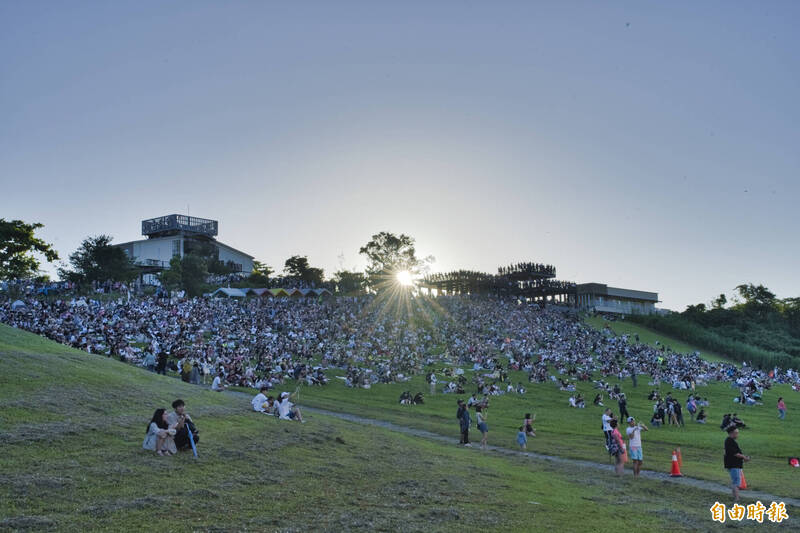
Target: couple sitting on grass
{"points": [[283, 408], [169, 432]]}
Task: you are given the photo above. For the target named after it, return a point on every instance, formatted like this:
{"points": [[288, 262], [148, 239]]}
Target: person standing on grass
{"points": [[482, 426], [623, 406], [617, 448], [734, 460], [634, 432], [781, 408], [161, 366], [464, 421], [606, 418], [528, 425], [678, 413], [522, 438]]}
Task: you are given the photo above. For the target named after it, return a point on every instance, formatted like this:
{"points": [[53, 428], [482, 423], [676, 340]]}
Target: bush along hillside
{"points": [[758, 328]]}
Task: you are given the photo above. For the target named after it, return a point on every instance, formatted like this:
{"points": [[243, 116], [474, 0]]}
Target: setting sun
{"points": [[404, 278]]}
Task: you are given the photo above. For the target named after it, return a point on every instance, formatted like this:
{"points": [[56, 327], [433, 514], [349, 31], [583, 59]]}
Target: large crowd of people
{"points": [[262, 342]]}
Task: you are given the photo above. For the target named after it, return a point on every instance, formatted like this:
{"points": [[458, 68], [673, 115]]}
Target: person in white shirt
{"points": [[607, 417], [217, 385], [287, 410], [259, 400], [634, 432]]}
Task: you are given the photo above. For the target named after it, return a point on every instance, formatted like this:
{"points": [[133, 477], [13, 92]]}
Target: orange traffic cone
{"points": [[743, 484], [676, 470]]}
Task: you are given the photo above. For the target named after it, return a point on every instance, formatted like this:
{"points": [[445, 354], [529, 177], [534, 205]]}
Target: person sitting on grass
{"points": [[658, 416], [598, 400], [405, 398], [580, 402], [287, 410], [217, 385], [183, 424], [159, 436], [419, 399], [259, 402], [701, 417]]}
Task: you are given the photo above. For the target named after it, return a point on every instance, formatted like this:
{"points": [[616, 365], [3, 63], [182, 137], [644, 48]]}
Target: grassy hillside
{"points": [[649, 336], [575, 433], [71, 426]]}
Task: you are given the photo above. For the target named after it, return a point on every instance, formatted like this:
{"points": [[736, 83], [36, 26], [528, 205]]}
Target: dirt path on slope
{"points": [[702, 484]]}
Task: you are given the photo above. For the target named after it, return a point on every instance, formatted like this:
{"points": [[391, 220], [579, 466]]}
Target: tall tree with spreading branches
{"points": [[18, 246]]}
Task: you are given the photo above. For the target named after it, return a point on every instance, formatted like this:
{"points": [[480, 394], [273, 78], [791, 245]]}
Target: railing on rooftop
{"points": [[180, 223]]}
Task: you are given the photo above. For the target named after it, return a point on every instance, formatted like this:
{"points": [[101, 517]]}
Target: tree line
{"points": [[98, 260], [755, 326]]}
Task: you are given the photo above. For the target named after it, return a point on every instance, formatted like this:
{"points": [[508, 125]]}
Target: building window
{"points": [[176, 248]]}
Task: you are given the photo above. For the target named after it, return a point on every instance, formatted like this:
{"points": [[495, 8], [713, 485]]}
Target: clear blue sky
{"points": [[647, 145]]}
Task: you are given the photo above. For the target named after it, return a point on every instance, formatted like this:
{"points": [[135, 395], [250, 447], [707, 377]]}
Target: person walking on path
{"points": [[734, 460], [482, 426], [781, 408], [623, 407], [617, 448], [522, 438], [634, 432], [607, 417], [464, 421]]}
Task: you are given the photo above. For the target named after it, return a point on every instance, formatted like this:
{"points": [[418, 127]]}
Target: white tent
{"points": [[226, 292], [19, 304]]}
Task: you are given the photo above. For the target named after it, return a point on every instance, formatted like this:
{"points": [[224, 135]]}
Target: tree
{"points": [[172, 278], [215, 266], [790, 307], [260, 274], [17, 246], [387, 254], [695, 309], [349, 282], [719, 302], [193, 274], [297, 267], [187, 273], [96, 260], [757, 294]]}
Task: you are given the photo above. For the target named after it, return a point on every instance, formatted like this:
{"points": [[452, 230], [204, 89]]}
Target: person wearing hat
{"points": [[287, 410], [634, 432]]}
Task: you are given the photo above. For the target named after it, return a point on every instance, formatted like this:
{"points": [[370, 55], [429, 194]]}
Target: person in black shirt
{"points": [[464, 421], [734, 460]]}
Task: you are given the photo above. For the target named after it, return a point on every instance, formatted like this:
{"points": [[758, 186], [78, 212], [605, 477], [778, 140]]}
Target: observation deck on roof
{"points": [[174, 224]]}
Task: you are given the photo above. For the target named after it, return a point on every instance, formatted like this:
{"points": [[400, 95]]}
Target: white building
{"points": [[604, 299], [178, 235]]}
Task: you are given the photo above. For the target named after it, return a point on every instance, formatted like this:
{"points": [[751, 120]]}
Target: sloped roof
{"points": [[231, 293]]}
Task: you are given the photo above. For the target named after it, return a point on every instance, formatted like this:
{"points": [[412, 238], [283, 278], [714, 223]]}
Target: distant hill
{"points": [[762, 330]]}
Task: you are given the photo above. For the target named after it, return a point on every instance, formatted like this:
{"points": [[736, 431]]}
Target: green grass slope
{"points": [[649, 336], [575, 433], [71, 426]]}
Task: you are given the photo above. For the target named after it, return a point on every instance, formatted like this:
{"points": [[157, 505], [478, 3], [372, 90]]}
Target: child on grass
{"points": [[522, 438], [528, 425]]}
